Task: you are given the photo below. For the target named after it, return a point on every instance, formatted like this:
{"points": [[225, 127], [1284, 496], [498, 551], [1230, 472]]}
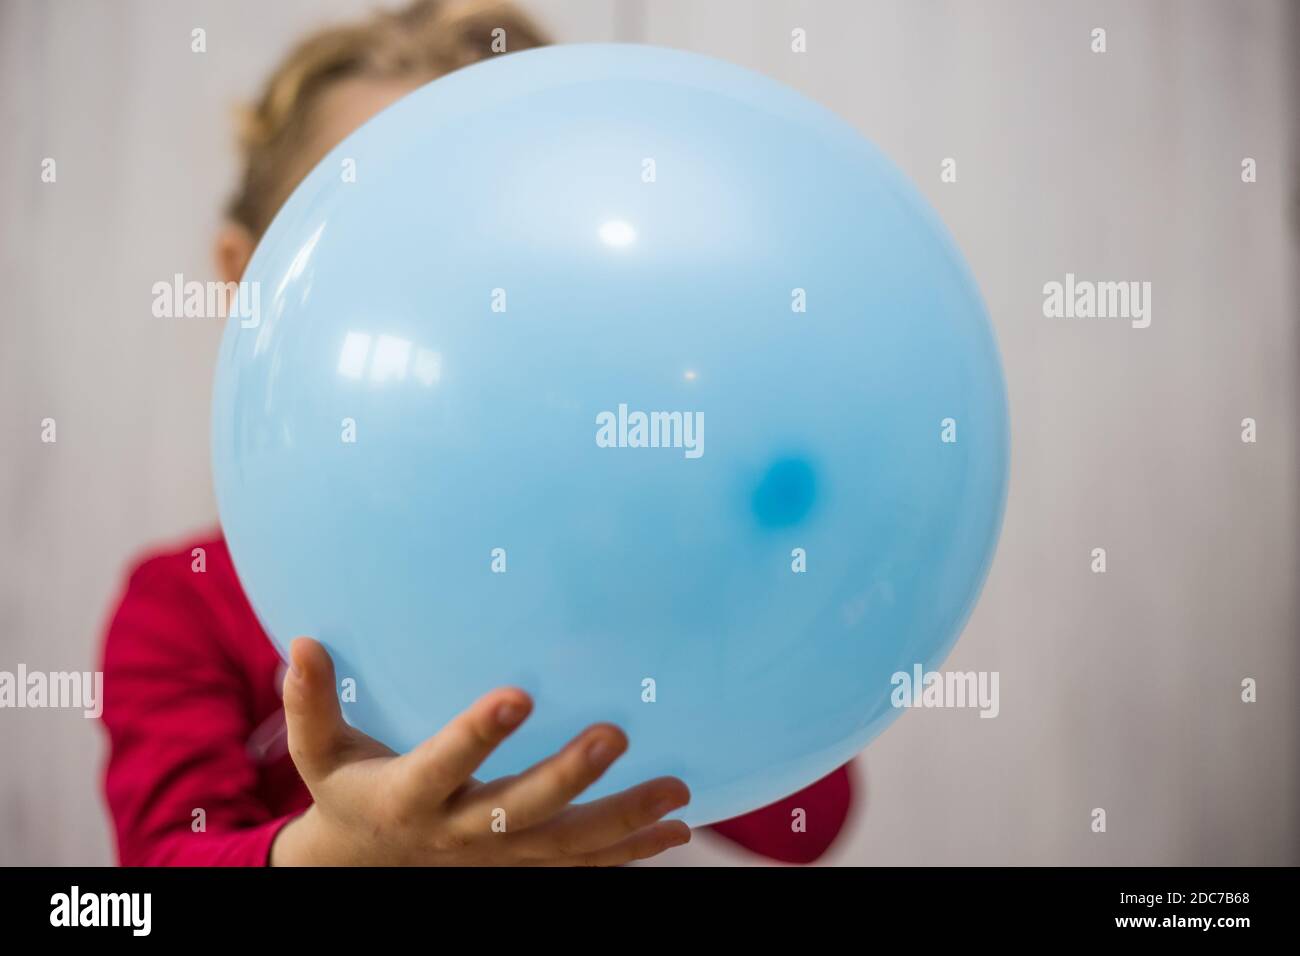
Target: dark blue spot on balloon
{"points": [[786, 493]]}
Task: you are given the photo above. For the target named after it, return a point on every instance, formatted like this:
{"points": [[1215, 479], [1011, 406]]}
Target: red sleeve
{"points": [[777, 831], [178, 716]]}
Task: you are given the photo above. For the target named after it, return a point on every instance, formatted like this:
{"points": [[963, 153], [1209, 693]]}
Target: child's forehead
{"points": [[342, 107], [348, 103]]}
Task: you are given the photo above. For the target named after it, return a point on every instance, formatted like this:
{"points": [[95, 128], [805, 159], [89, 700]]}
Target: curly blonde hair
{"points": [[422, 41]]}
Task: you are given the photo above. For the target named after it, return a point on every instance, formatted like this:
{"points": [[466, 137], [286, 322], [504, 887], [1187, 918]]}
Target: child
{"points": [[208, 766]]}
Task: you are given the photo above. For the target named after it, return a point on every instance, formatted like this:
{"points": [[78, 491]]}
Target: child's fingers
{"points": [[642, 845], [441, 765], [545, 789], [317, 732], [593, 826]]}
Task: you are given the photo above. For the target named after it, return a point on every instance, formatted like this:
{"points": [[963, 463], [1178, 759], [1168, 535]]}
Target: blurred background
{"points": [[1119, 690]]}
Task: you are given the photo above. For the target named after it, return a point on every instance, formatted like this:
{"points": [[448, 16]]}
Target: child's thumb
{"points": [[312, 713]]}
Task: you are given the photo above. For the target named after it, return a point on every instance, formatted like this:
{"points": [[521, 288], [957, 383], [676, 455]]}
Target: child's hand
{"points": [[373, 807]]}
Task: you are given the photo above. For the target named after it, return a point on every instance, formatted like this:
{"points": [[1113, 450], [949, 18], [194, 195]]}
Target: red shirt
{"points": [[198, 773]]}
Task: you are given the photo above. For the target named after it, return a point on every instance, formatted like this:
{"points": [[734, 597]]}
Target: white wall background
{"points": [[1118, 691]]}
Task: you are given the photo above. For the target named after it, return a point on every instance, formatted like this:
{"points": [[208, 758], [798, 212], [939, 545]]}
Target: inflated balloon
{"points": [[629, 377]]}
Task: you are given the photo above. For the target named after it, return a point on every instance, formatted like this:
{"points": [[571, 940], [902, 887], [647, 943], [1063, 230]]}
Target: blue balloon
{"points": [[629, 377]]}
